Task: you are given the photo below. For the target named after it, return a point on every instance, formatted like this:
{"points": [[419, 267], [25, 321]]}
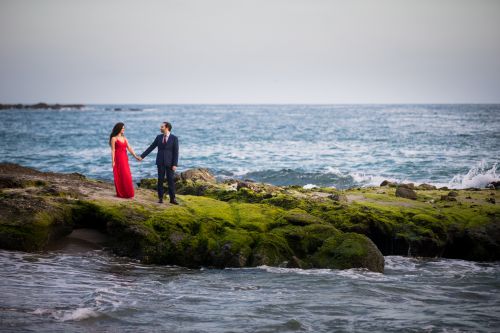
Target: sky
{"points": [[249, 51]]}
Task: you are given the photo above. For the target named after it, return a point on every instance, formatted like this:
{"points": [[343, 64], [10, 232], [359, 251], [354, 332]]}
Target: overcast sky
{"points": [[250, 51]]}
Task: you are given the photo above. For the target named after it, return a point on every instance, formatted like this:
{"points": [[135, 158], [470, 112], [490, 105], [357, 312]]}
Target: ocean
{"points": [[96, 292], [317, 145], [309, 145]]}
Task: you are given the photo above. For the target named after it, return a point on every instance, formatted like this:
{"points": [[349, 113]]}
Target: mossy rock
{"points": [[30, 223], [211, 208], [348, 250], [129, 235], [272, 250], [315, 235], [480, 242], [198, 188], [233, 249], [217, 225], [148, 183], [286, 201], [242, 195], [298, 216], [305, 240], [256, 217]]}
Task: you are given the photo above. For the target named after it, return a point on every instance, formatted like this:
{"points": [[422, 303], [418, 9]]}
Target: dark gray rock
{"points": [[407, 193], [494, 185], [426, 187], [198, 174], [388, 183]]}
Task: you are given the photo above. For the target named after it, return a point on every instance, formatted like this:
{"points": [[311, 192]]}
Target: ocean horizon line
{"points": [[254, 104]]}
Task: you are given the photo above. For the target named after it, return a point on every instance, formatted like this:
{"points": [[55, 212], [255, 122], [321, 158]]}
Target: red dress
{"points": [[121, 171]]}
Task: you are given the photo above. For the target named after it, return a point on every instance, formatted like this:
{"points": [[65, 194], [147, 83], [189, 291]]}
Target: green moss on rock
{"points": [[347, 250], [240, 223], [286, 201], [272, 250], [298, 216], [30, 223]]}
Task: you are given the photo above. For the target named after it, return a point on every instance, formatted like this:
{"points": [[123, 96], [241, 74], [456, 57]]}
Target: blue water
{"points": [[95, 292], [342, 146]]}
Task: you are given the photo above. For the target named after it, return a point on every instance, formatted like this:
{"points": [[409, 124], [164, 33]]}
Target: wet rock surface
{"points": [[237, 223]]}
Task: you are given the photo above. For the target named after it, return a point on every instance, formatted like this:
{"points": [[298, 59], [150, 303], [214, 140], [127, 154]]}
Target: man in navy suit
{"points": [[166, 160]]}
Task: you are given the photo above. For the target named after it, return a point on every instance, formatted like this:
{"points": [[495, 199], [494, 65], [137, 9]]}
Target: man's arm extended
{"points": [[150, 148]]}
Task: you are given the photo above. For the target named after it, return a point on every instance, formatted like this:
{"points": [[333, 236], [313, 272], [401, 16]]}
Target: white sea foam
{"points": [[68, 315], [478, 176], [362, 274], [79, 314], [40, 311], [334, 170], [284, 270], [361, 178], [309, 186], [370, 180], [408, 264], [354, 273], [241, 172]]}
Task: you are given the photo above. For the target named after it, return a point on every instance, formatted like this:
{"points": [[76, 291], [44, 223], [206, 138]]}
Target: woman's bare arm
{"points": [[113, 141], [129, 147]]}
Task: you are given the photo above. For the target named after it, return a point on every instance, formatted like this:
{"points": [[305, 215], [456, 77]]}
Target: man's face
{"points": [[163, 128]]}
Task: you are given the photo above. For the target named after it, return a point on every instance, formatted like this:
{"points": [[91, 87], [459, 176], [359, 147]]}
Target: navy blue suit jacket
{"points": [[168, 153]]}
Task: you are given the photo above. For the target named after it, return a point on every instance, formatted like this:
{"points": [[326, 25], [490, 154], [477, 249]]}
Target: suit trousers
{"points": [[162, 171]]}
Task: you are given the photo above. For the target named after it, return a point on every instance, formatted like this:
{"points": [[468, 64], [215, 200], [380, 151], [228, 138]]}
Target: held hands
{"points": [[174, 168], [138, 158]]}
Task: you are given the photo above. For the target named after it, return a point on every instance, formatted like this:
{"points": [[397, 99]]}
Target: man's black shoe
{"points": [[174, 202], [160, 200]]}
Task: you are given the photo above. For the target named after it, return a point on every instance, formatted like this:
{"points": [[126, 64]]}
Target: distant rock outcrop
{"points": [[41, 106]]}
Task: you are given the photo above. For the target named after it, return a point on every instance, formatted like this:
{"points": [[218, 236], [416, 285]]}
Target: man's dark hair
{"points": [[168, 125]]}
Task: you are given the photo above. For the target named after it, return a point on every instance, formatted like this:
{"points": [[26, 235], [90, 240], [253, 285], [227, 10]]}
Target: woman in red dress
{"points": [[121, 170]]}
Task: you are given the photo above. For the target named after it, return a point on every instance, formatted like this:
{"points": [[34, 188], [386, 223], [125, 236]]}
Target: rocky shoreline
{"points": [[39, 106], [241, 223]]}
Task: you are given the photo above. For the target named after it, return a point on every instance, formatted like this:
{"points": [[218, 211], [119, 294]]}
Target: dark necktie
{"points": [[164, 139]]}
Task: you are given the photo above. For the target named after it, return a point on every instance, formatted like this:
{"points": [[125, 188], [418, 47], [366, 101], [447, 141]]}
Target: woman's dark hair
{"points": [[116, 130], [168, 125]]}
